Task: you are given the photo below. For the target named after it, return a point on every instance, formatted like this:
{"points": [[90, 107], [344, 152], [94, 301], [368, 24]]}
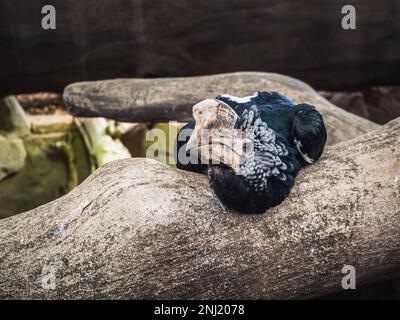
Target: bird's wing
{"points": [[309, 134]]}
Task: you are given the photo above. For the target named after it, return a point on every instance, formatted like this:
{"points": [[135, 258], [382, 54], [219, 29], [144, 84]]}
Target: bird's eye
{"points": [[246, 147]]}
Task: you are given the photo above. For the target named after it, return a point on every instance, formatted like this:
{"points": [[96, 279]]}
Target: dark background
{"points": [[98, 39]]}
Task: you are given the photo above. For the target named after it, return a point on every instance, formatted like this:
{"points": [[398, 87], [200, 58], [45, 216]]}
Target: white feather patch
{"points": [[239, 99], [304, 155]]}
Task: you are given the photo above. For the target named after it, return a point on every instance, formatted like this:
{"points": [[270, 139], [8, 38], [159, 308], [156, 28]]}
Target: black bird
{"points": [[252, 147]]}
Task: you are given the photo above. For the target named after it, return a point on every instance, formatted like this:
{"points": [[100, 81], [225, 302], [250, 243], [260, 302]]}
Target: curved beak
{"points": [[214, 138]]}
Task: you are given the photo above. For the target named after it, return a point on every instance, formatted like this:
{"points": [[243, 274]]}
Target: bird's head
{"points": [[241, 150], [216, 138]]}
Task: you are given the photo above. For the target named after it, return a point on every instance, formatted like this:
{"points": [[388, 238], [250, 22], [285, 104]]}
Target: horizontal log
{"points": [[165, 99], [102, 39], [139, 229]]}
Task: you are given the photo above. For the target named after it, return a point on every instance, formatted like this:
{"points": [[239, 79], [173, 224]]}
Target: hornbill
{"points": [[252, 147]]}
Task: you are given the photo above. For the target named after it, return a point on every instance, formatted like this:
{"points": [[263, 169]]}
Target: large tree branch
{"points": [[139, 229], [144, 100]]}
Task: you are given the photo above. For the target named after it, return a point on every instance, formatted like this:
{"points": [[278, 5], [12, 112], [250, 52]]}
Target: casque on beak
{"points": [[214, 138]]}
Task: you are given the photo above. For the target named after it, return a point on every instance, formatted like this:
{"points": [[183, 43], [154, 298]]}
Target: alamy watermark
{"points": [[48, 279], [49, 18], [209, 146], [348, 20], [349, 280]]}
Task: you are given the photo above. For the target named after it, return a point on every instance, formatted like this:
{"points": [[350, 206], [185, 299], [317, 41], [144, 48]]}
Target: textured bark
{"points": [[164, 99], [102, 39], [139, 229]]}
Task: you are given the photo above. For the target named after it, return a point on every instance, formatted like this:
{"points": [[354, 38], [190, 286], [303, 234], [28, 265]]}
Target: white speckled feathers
{"points": [[265, 160]]}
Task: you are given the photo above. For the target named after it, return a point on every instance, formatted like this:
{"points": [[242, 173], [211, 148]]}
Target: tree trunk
{"points": [[139, 229], [152, 100]]}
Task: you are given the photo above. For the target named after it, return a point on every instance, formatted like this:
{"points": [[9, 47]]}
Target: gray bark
{"points": [[140, 229], [164, 99]]}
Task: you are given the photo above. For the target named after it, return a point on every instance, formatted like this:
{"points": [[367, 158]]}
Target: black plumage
{"points": [[285, 137]]}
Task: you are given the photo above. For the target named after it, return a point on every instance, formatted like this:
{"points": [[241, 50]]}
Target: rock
{"points": [[51, 123], [48, 171], [12, 155], [12, 116], [102, 147]]}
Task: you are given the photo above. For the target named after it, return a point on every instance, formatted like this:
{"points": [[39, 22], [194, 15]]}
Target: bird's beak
{"points": [[214, 136]]}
